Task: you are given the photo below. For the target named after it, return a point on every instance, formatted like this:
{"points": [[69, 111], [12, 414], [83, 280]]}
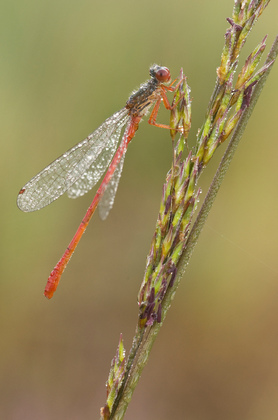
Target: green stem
{"points": [[144, 339]]}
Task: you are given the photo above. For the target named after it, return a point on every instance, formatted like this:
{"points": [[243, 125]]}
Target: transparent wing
{"points": [[91, 156], [107, 200], [95, 172]]}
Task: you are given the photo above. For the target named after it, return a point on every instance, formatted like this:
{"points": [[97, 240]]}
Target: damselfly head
{"points": [[162, 74]]}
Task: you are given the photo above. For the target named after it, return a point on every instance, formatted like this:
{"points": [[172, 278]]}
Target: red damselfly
{"points": [[81, 167]]}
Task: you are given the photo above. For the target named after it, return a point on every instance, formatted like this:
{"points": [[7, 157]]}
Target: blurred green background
{"points": [[65, 67]]}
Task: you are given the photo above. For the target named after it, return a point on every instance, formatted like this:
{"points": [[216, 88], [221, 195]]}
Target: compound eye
{"points": [[163, 74]]}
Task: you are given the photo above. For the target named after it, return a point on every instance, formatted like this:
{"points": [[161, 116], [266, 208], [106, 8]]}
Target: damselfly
{"points": [[81, 167]]}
